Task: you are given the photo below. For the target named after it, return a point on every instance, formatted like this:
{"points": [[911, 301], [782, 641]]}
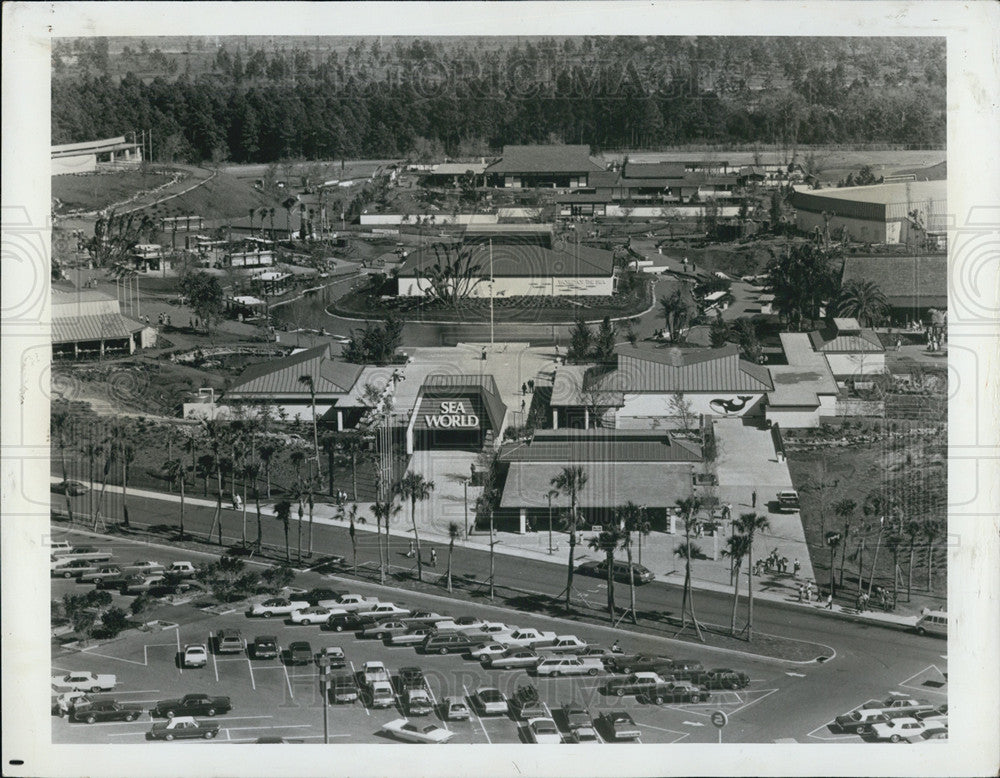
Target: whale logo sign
{"points": [[727, 407]]}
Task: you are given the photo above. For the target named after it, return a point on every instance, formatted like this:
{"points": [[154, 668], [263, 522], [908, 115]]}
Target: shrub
{"points": [[114, 622], [277, 577]]}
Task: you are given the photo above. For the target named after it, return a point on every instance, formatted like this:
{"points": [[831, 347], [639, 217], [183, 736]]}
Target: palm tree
{"points": [[217, 438], [737, 547], [414, 487], [608, 540], [110, 455], [353, 446], [173, 469], [750, 524], [307, 380], [844, 509], [252, 212], [864, 301], [331, 445], [383, 511], [270, 212], [454, 533], [351, 514], [311, 502], [283, 513], [912, 528], [297, 457], [570, 482], [60, 423], [689, 507], [267, 452], [632, 519], [253, 471], [931, 530]]}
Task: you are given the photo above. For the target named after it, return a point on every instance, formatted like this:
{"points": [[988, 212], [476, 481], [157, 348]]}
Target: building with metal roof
{"points": [[652, 469], [649, 387], [561, 166], [462, 411], [89, 323], [912, 285], [882, 213], [852, 351], [804, 388]]}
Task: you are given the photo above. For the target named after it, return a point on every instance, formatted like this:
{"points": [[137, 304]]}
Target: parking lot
{"points": [[271, 698]]}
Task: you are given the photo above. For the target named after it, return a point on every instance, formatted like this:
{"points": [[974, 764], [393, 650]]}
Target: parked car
{"points": [[384, 611], [332, 657], [674, 692], [417, 733], [68, 567], [183, 569], [564, 644], [636, 663], [447, 643], [935, 730], [418, 702], [620, 571], [483, 651], [585, 735], [411, 678], [343, 688], [183, 727], [488, 630], [898, 730], [489, 701], [526, 704], [192, 705], [684, 669], [459, 624], [350, 603], [106, 710], [934, 714], [381, 695], [346, 622], [512, 658], [575, 716], [720, 678], [788, 500], [136, 584], [314, 614], [94, 575], [619, 725], [526, 637], [86, 552], [85, 681], [265, 647], [374, 671], [455, 709], [412, 637], [326, 597], [277, 606], [59, 547], [299, 653], [145, 567], [195, 655], [933, 623], [229, 641], [636, 683], [859, 721], [543, 731], [72, 488], [569, 665], [428, 616], [383, 630]]}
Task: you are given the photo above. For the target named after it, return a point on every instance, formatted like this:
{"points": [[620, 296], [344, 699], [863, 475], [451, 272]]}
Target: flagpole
{"points": [[491, 293]]}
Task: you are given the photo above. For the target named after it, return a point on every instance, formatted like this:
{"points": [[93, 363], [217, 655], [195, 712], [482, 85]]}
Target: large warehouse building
{"points": [[515, 260], [885, 213], [556, 166]]}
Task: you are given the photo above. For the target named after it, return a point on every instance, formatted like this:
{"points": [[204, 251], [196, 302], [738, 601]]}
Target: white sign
{"points": [[453, 416]]}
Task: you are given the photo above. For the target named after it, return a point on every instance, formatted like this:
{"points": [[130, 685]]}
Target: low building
{"points": [[555, 166], [659, 388], [91, 156], [648, 468], [87, 323], [451, 173], [852, 351], [804, 388], [912, 285], [514, 260], [456, 412], [912, 212]]}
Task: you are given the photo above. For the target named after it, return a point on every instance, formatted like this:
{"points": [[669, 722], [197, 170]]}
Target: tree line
{"points": [[428, 98]]}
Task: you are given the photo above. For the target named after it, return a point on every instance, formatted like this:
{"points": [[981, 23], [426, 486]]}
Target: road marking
{"points": [[134, 691], [355, 674], [288, 681], [89, 652], [275, 726], [434, 702], [476, 714], [795, 675], [180, 665], [253, 681], [768, 693], [906, 683], [661, 729], [694, 723]]}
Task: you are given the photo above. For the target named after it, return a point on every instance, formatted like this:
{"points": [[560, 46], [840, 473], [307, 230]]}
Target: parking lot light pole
{"points": [[465, 483], [325, 680], [550, 495]]}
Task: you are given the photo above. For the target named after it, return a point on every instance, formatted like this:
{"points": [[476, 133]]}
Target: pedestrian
{"points": [[484, 355], [899, 342], [434, 557], [412, 552], [860, 602], [159, 320], [531, 385], [522, 405], [800, 592], [168, 320], [753, 499], [796, 566], [784, 564], [190, 324], [829, 602], [524, 389]]}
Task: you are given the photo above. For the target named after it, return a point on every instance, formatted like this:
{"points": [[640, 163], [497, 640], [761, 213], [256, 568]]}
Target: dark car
{"points": [[638, 663], [640, 574], [182, 727], [673, 692], [265, 647], [618, 725], [107, 710], [721, 678], [347, 622], [320, 596], [683, 669], [192, 705], [448, 642], [72, 488], [636, 683], [299, 653], [410, 678], [343, 688], [575, 716]]}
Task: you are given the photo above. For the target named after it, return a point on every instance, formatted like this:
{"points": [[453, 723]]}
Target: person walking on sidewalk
{"points": [[531, 385], [524, 389], [796, 566], [434, 557], [829, 602], [800, 592], [412, 552], [753, 499]]}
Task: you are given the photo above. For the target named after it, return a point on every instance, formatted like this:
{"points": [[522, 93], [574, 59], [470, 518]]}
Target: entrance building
{"points": [[456, 412]]}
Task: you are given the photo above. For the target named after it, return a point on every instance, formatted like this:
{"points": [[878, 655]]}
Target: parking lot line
{"points": [[108, 656], [253, 681], [662, 729], [476, 714], [272, 726], [766, 693], [215, 665], [288, 681]]}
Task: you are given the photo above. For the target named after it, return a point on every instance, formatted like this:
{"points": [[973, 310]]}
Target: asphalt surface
{"points": [[866, 661]]}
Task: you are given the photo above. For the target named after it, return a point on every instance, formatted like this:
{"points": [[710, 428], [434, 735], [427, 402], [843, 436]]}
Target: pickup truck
{"points": [[192, 705], [525, 704], [84, 681], [526, 638]]}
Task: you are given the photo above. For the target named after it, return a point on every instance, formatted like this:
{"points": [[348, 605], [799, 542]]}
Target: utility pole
{"points": [[465, 483], [493, 542]]}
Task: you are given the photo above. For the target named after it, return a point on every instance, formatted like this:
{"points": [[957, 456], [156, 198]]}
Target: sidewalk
{"points": [[656, 554]]}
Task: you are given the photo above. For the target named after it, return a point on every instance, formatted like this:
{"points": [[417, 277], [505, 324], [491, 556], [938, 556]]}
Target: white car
{"points": [[417, 733], [412, 637], [314, 614], [569, 665], [490, 630], [195, 655], [374, 671], [381, 694], [898, 730], [466, 625], [383, 610], [86, 552], [585, 735], [354, 602], [544, 732], [146, 567], [564, 644], [84, 681], [277, 606], [484, 650], [527, 637], [490, 701]]}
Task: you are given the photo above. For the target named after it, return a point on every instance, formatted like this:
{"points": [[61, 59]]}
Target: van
{"points": [[788, 500], [933, 623]]}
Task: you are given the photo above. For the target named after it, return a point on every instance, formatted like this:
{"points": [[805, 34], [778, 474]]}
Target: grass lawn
{"points": [[99, 190]]}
